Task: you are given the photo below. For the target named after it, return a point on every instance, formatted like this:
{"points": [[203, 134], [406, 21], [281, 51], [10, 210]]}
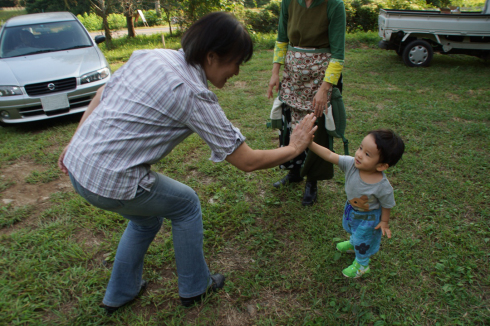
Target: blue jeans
{"points": [[365, 239], [167, 199]]}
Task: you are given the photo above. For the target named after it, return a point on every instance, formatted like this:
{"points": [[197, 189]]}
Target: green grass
{"points": [[279, 258], [6, 14]]}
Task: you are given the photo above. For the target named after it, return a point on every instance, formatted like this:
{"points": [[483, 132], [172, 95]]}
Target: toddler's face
{"points": [[367, 155]]}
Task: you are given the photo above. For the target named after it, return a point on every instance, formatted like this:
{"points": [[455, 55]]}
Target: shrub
{"points": [[151, 18], [362, 15], [116, 21], [92, 22], [265, 20], [263, 41]]}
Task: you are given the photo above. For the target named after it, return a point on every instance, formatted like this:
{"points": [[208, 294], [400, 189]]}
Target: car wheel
{"points": [[418, 53]]}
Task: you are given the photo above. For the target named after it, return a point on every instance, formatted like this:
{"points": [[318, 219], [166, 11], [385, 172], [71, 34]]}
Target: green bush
{"points": [[151, 18], [92, 22], [263, 41], [265, 20], [362, 15], [116, 21]]}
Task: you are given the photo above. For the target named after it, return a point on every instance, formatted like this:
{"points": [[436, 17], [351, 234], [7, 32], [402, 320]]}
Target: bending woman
{"points": [[310, 44], [150, 105]]}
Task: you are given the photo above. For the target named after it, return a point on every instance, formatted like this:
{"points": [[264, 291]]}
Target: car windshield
{"points": [[41, 38]]}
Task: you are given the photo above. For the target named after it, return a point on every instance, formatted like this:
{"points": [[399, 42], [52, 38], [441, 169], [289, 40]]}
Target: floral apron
{"points": [[304, 70]]}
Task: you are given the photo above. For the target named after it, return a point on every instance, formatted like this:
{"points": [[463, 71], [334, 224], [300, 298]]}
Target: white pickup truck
{"points": [[416, 34]]}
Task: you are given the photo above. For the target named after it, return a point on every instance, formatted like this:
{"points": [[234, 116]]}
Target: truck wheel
{"points": [[418, 53]]}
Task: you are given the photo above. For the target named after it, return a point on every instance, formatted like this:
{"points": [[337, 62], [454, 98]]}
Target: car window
{"points": [[39, 38]]}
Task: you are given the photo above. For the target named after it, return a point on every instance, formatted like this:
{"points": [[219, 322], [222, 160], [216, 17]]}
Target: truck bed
{"points": [[435, 22]]}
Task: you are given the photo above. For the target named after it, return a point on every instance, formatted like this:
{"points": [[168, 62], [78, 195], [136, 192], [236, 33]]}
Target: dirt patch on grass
{"points": [[52, 318], [240, 84], [90, 241], [20, 193]]}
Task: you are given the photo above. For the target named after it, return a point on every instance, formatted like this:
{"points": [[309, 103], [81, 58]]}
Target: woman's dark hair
{"points": [[217, 32], [390, 146]]}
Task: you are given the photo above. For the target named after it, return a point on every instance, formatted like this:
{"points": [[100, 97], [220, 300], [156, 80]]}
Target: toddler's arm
{"points": [[324, 153], [385, 219]]}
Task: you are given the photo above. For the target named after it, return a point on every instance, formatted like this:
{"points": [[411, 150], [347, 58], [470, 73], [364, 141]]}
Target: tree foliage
{"points": [[75, 6], [11, 3], [255, 3], [265, 20]]}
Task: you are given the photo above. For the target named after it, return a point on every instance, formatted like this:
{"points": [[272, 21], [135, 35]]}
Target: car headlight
{"points": [[10, 91], [95, 75]]}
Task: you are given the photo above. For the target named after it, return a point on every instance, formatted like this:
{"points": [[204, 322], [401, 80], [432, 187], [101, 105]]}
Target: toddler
{"points": [[369, 194]]}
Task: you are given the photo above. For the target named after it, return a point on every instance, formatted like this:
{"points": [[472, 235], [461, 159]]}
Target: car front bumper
{"points": [[25, 108]]}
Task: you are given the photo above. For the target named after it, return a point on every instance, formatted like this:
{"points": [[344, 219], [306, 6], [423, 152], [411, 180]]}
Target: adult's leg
{"points": [[294, 165], [170, 199], [126, 277], [180, 204]]}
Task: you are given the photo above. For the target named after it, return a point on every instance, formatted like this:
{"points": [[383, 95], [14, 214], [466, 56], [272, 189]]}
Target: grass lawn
{"points": [[6, 14], [279, 257]]}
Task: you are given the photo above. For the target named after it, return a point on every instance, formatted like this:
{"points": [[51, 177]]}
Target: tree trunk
{"points": [[157, 8], [129, 21], [101, 11], [167, 13], [107, 31]]}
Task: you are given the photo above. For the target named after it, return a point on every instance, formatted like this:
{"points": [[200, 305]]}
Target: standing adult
{"points": [[310, 44], [150, 105]]}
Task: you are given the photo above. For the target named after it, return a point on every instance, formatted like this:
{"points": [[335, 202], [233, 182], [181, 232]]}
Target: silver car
{"points": [[49, 67]]}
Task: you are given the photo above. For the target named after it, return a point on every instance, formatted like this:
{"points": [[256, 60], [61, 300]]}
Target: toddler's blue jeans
{"points": [[167, 199], [364, 237]]}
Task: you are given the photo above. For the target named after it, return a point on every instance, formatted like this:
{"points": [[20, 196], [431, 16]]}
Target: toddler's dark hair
{"points": [[390, 146]]}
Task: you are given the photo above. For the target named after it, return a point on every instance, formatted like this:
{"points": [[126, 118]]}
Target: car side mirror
{"points": [[99, 39]]}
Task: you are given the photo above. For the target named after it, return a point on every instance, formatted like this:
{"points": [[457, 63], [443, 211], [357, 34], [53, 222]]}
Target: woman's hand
{"points": [[274, 80], [61, 165], [321, 99], [303, 134]]}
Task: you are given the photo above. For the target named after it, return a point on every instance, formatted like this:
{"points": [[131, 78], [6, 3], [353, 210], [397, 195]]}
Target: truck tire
{"points": [[418, 53]]}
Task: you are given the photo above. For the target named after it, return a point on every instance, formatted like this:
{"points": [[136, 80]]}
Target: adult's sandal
{"points": [[218, 282], [289, 178], [310, 193]]}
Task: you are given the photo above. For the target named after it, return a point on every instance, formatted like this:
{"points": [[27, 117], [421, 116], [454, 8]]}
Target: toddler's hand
{"points": [[385, 228]]}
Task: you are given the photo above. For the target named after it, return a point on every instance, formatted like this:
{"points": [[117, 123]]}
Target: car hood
{"points": [[37, 68]]}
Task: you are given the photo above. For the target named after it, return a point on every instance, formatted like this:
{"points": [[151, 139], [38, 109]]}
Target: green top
{"points": [[322, 25]]}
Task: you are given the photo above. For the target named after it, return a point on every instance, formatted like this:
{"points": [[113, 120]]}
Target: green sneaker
{"points": [[345, 247], [356, 270]]}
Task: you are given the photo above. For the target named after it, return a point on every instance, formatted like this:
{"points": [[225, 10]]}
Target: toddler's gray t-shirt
{"points": [[361, 195]]}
